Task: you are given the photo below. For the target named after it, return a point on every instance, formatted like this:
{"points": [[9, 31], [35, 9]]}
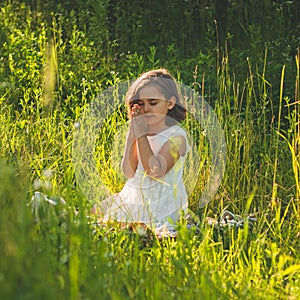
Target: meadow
{"points": [[50, 245]]}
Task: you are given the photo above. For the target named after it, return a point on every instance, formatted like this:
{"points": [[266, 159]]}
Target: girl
{"points": [[154, 155]]}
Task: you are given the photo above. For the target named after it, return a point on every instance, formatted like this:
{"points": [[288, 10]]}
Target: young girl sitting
{"points": [[153, 161]]}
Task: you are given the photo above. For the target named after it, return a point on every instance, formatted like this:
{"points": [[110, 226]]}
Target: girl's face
{"points": [[152, 104]]}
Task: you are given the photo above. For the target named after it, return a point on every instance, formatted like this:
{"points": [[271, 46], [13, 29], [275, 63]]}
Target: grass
{"points": [[57, 251]]}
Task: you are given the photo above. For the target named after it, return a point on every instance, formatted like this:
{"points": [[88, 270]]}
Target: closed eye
{"points": [[153, 101]]}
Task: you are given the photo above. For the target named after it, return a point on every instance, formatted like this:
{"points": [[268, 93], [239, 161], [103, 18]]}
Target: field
{"points": [[51, 247]]}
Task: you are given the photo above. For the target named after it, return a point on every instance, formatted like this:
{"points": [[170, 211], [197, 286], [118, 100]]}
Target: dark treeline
{"points": [[188, 37], [193, 30], [188, 25]]}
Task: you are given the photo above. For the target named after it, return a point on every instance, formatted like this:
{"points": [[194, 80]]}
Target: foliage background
{"points": [[56, 56]]}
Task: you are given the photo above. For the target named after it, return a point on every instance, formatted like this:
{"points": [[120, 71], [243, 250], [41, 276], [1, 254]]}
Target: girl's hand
{"points": [[138, 122], [135, 111]]}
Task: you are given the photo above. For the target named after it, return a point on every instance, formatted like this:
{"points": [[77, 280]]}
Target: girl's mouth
{"points": [[148, 116]]}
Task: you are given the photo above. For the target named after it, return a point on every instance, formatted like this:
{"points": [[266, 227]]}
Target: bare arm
{"points": [[130, 160], [158, 165], [154, 165]]}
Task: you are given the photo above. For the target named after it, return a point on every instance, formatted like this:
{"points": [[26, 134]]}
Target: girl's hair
{"points": [[166, 84]]}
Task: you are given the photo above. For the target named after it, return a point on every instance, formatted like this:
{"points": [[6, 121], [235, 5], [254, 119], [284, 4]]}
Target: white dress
{"points": [[155, 202]]}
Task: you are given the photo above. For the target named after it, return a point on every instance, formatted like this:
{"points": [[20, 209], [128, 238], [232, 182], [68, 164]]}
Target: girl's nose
{"points": [[146, 107]]}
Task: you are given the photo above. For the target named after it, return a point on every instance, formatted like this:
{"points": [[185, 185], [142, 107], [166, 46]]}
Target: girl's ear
{"points": [[171, 103]]}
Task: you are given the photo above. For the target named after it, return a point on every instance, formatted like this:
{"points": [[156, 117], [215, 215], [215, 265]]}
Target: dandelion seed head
{"points": [[37, 184], [48, 173]]}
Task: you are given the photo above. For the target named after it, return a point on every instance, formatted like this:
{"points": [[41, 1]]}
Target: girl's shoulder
{"points": [[175, 130]]}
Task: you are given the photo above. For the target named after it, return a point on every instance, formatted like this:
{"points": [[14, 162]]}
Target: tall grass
{"points": [[48, 77]]}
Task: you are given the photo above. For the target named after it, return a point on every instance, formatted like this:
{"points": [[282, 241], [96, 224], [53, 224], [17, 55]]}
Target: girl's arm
{"points": [[154, 165], [130, 160], [158, 165]]}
